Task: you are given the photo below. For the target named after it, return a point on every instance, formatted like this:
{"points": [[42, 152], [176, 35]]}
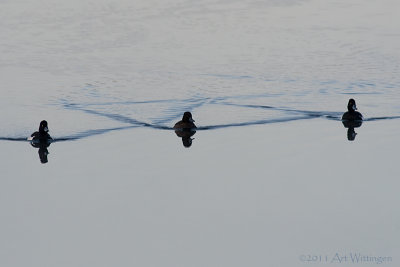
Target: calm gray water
{"points": [[270, 179]]}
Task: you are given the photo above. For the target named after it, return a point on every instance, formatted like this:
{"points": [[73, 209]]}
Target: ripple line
{"points": [[326, 114], [212, 127]]}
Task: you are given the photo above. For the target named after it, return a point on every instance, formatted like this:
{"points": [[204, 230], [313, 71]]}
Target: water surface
{"points": [[272, 176]]}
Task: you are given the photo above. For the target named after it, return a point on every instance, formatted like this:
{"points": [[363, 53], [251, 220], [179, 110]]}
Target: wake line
{"points": [[306, 115], [195, 103], [212, 127], [78, 105], [325, 114], [74, 137], [137, 124], [177, 115], [382, 118], [318, 114], [133, 123], [90, 133], [202, 100], [16, 139]]}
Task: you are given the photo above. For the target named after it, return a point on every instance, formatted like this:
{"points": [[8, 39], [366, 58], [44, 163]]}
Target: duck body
{"points": [[187, 122], [351, 114], [38, 138]]}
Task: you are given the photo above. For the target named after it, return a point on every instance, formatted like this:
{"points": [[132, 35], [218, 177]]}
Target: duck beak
{"points": [[191, 120], [354, 107], [46, 129]]}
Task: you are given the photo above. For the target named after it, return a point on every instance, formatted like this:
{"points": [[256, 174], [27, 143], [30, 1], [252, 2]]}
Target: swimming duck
{"points": [[186, 122], [352, 114], [43, 134]]}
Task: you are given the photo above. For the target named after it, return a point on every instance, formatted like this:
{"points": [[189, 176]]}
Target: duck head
{"points": [[43, 127], [351, 106], [187, 117]]}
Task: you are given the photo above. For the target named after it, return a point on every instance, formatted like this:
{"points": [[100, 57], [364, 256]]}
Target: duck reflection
{"points": [[43, 151], [350, 125], [186, 135]]}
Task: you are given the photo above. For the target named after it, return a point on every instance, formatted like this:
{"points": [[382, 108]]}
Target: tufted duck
{"points": [[352, 114]]}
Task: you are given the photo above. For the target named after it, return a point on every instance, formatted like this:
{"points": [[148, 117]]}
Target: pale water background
{"points": [[270, 178]]}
